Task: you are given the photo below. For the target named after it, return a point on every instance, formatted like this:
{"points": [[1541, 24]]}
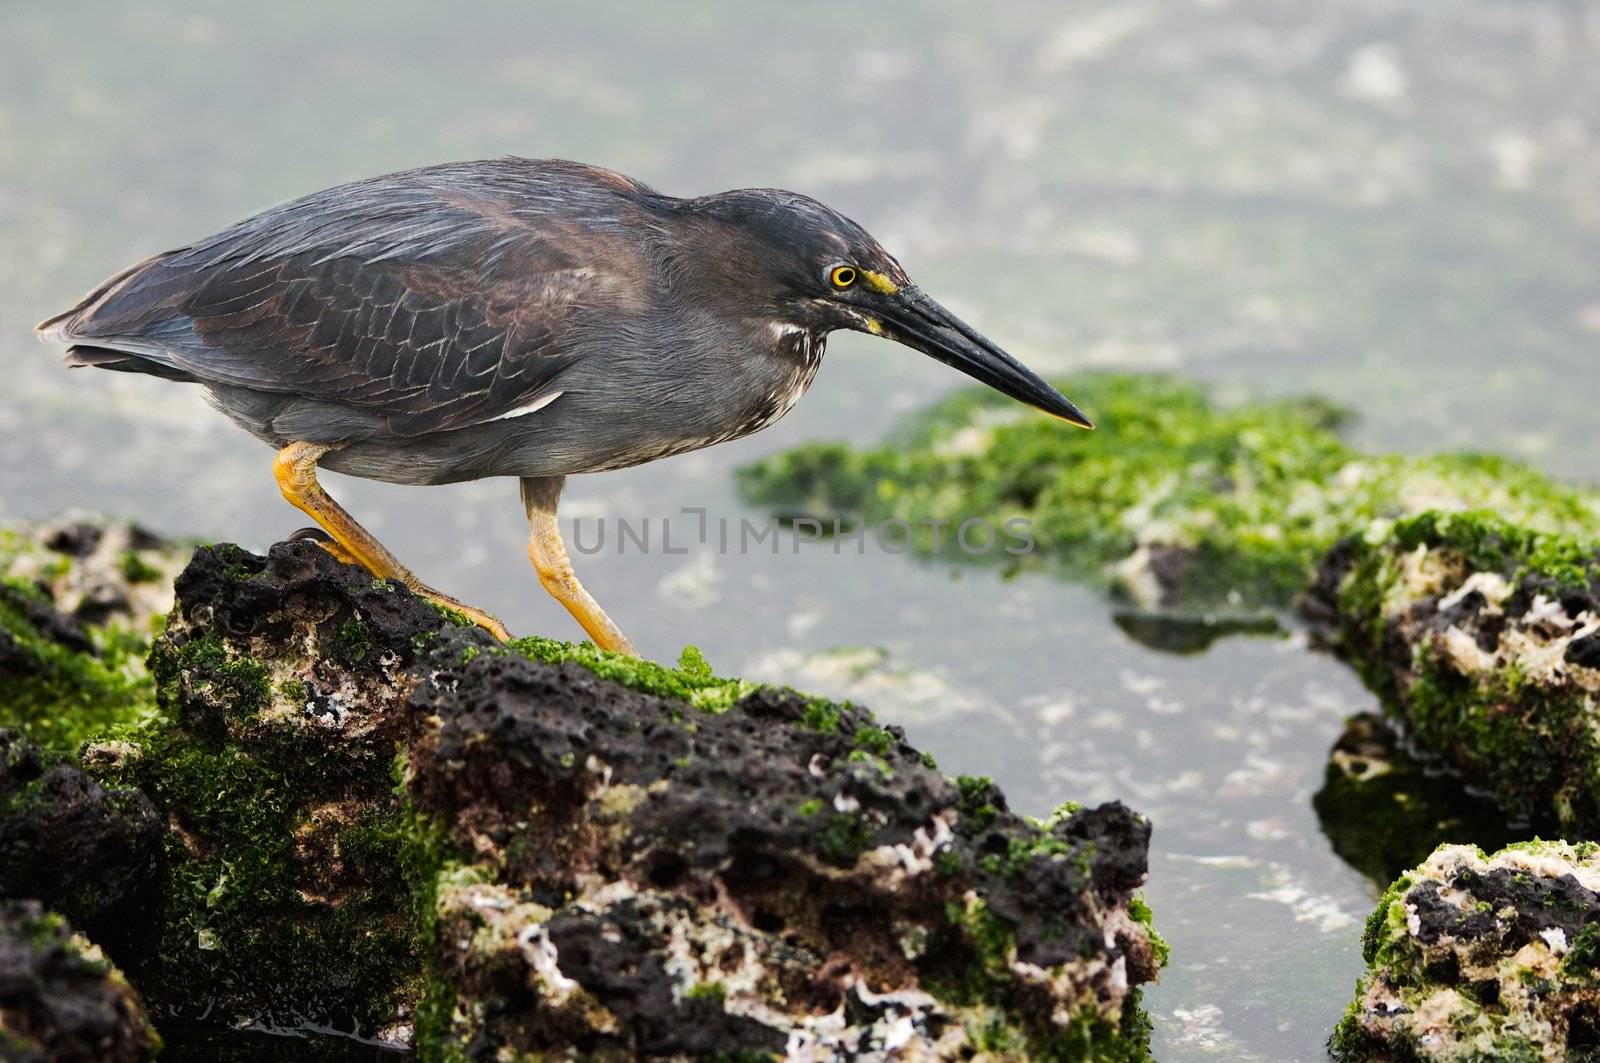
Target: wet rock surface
{"points": [[95, 853], [1384, 810], [1191, 633], [344, 824], [1475, 633], [61, 1000], [784, 865], [1476, 957]]}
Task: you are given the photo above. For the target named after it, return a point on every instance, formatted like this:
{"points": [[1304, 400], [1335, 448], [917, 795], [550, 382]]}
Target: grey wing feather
{"points": [[435, 298]]}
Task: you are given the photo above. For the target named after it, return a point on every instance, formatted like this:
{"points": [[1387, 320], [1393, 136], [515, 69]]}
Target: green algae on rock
{"points": [[271, 759], [572, 852], [1475, 958], [1176, 499], [1384, 810], [1482, 640], [770, 874], [78, 600], [61, 1000]]}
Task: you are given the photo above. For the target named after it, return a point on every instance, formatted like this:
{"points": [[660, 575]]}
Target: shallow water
{"points": [[1396, 206]]}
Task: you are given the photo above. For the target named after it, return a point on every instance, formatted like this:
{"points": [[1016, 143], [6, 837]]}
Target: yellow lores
{"points": [[879, 282]]}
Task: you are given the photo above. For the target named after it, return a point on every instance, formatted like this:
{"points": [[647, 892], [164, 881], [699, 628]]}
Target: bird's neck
{"points": [[796, 343]]}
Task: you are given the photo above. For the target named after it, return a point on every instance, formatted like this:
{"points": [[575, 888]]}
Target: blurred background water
{"points": [[1393, 205]]}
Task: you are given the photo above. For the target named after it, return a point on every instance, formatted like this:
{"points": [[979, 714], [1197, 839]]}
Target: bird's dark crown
{"points": [[783, 248]]}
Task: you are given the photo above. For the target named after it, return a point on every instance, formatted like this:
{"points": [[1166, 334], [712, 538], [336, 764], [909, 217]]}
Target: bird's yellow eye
{"points": [[842, 276]]}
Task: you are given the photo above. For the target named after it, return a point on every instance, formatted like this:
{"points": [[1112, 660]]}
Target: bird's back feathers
{"points": [[429, 299]]}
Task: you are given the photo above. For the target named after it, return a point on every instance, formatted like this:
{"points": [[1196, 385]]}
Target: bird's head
{"points": [[808, 266]]}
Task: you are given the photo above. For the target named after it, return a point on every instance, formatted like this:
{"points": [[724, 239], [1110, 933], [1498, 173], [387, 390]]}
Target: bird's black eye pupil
{"points": [[842, 276]]}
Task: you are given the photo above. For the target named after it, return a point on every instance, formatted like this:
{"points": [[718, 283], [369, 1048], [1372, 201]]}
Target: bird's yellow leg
{"points": [[296, 470], [549, 556]]}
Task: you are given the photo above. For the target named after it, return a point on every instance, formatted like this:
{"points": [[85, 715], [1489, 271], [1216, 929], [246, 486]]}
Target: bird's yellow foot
{"points": [[417, 587], [477, 616], [328, 543], [296, 470]]}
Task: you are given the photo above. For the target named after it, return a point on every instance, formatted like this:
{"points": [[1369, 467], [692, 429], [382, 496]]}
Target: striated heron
{"points": [[512, 317]]}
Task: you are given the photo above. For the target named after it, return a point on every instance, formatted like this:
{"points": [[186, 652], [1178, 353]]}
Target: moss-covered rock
{"points": [[94, 852], [1482, 639], [633, 874], [372, 820], [1177, 499], [78, 602], [1476, 958], [61, 1000], [271, 759]]}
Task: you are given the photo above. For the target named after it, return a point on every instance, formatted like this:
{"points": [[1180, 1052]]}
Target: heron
{"points": [[512, 317]]}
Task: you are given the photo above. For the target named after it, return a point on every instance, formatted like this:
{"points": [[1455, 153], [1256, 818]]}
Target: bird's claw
{"points": [[328, 543], [477, 616]]}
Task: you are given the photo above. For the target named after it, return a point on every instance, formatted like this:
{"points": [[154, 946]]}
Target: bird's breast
{"points": [[724, 392], [795, 358]]}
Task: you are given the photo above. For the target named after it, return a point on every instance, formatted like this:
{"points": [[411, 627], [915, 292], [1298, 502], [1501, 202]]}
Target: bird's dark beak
{"points": [[915, 320]]}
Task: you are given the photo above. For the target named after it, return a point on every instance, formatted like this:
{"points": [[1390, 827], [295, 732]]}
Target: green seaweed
{"points": [[285, 853], [989, 987], [711, 992], [975, 799], [1459, 982], [692, 681], [1139, 910], [58, 696], [1247, 497]]}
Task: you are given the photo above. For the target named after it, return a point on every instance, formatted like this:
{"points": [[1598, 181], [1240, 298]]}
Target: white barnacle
{"points": [[540, 954]]}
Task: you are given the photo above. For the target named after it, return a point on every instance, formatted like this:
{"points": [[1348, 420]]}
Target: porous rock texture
{"points": [[61, 1001], [1477, 958], [783, 876], [1482, 640], [94, 852], [343, 818]]}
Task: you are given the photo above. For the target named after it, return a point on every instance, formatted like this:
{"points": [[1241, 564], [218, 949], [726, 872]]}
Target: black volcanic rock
{"points": [[344, 818], [95, 853], [61, 1001]]}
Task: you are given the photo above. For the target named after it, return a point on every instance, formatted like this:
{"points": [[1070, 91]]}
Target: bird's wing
{"points": [[433, 302]]}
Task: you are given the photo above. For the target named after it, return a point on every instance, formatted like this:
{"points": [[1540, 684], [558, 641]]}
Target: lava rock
{"points": [[782, 871], [61, 1001], [1475, 957], [96, 571], [96, 853], [381, 829], [1185, 634], [52, 624], [77, 602], [281, 682], [1473, 633]]}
